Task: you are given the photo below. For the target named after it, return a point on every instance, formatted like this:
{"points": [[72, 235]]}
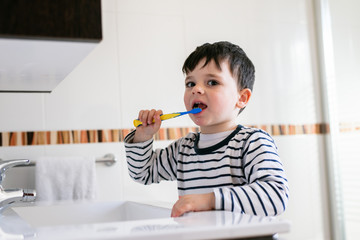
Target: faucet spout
{"points": [[9, 196]]}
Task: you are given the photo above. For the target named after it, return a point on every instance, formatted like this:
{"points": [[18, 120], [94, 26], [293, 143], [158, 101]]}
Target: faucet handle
{"points": [[5, 165]]}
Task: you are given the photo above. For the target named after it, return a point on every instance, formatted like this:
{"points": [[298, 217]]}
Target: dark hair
{"points": [[240, 65]]}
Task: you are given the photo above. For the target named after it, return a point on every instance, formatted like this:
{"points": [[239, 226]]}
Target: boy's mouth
{"points": [[199, 105]]}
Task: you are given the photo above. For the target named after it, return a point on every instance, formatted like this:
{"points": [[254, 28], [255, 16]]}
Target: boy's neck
{"points": [[223, 127]]}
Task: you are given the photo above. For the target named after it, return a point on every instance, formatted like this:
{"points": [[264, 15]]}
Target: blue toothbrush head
{"points": [[195, 110]]}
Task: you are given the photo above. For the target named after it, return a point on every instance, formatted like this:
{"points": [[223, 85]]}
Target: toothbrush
{"points": [[163, 117]]}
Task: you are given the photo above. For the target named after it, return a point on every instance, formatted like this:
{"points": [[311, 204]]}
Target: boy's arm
{"points": [[266, 192], [144, 164]]}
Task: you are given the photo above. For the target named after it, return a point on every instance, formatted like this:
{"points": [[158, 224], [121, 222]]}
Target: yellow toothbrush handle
{"points": [[168, 116], [163, 117], [137, 122]]}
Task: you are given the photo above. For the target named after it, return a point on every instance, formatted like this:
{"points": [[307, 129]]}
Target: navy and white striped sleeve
{"points": [[146, 165], [266, 190]]}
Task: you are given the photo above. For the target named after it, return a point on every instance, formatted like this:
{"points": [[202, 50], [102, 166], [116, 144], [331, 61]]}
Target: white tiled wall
{"points": [[21, 112], [303, 160], [346, 37], [138, 65]]}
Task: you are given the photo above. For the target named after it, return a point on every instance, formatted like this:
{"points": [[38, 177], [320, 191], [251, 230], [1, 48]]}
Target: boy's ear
{"points": [[244, 97]]}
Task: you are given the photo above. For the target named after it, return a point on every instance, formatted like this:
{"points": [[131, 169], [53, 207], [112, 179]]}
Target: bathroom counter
{"points": [[199, 225]]}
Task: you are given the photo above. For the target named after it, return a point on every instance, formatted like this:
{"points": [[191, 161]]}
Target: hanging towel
{"points": [[65, 178]]}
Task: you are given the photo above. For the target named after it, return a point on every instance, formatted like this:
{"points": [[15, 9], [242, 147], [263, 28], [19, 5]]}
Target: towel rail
{"points": [[108, 159]]}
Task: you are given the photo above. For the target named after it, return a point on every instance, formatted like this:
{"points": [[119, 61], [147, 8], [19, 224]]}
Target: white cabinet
{"points": [[42, 41]]}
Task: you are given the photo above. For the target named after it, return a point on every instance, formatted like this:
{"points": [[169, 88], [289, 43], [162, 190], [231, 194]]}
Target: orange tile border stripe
{"points": [[32, 138]]}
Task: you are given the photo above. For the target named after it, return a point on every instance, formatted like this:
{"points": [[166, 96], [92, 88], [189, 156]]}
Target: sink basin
{"points": [[89, 213], [130, 221]]}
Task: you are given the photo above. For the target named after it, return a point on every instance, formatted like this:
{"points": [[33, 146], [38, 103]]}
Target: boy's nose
{"points": [[198, 89]]}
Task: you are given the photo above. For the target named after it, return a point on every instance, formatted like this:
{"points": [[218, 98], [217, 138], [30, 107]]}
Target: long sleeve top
{"points": [[244, 170]]}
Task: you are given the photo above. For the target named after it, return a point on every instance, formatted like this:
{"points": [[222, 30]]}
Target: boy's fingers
{"points": [[175, 212], [148, 117], [157, 119], [193, 202], [151, 116], [140, 116], [181, 207], [143, 115], [159, 112]]}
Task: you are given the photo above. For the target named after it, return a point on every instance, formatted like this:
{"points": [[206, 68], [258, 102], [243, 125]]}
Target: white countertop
{"points": [[200, 225]]}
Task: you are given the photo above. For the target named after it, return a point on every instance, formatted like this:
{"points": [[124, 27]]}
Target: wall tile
{"points": [[284, 89], [108, 5], [346, 38], [150, 62], [265, 12], [345, 12], [348, 165], [21, 111], [145, 7], [84, 136], [303, 161]]}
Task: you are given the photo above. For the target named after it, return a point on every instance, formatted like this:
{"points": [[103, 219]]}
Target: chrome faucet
{"points": [[10, 196]]}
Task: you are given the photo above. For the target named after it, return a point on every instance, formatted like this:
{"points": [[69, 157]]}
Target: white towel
{"points": [[65, 178]]}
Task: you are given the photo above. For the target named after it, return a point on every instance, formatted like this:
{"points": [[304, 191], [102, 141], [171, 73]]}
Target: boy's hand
{"points": [[147, 130], [193, 203]]}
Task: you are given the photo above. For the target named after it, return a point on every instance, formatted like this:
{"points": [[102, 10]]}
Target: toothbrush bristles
{"points": [[196, 110]]}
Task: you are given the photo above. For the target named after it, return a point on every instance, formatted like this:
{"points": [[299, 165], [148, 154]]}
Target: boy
{"points": [[226, 166]]}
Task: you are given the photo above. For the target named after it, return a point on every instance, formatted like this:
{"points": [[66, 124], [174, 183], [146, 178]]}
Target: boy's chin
{"points": [[199, 122]]}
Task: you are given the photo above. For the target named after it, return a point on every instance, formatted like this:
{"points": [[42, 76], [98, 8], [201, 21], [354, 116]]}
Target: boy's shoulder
{"points": [[248, 132], [250, 129], [241, 133]]}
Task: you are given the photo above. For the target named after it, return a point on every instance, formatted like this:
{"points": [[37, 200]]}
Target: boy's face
{"points": [[216, 92]]}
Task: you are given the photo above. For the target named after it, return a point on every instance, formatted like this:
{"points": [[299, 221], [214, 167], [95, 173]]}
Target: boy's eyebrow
{"points": [[212, 75], [188, 78], [207, 75]]}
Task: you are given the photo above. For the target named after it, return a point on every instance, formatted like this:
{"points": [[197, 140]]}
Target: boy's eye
{"points": [[189, 84], [212, 83]]}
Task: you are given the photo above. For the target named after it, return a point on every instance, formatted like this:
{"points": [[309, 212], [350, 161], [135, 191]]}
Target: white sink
{"points": [[89, 213], [129, 220]]}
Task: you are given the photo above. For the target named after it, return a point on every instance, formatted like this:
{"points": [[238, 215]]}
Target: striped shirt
{"points": [[244, 170]]}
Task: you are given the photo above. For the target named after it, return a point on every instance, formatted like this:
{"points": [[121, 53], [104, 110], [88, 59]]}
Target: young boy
{"points": [[225, 166]]}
